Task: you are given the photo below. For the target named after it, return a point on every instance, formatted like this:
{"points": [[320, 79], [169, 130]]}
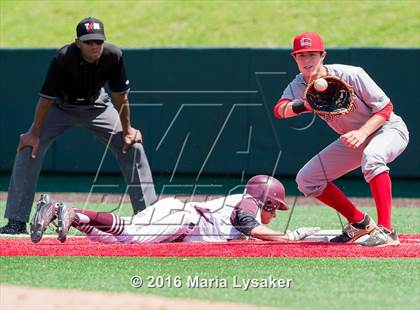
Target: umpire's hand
{"points": [[29, 139], [130, 137]]}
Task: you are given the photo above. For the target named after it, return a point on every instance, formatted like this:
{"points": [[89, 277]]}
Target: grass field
{"points": [[405, 219], [317, 283], [132, 23]]}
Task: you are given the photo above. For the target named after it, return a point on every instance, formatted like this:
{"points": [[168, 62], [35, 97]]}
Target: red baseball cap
{"points": [[308, 42]]}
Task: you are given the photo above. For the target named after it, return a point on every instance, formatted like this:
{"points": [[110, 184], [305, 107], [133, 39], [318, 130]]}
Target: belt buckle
{"points": [[81, 101]]}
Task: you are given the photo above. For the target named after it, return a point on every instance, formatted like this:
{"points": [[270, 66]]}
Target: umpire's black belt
{"points": [[80, 101]]}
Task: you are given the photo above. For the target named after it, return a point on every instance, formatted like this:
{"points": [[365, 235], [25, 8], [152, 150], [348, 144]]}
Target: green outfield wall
{"points": [[208, 111]]}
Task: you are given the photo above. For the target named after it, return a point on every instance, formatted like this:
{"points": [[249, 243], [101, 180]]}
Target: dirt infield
{"points": [[409, 248], [15, 297]]}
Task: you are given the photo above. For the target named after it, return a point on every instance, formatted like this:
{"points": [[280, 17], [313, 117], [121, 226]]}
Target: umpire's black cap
{"points": [[90, 28]]}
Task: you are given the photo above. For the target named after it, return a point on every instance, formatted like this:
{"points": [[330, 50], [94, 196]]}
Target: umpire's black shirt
{"points": [[71, 80]]}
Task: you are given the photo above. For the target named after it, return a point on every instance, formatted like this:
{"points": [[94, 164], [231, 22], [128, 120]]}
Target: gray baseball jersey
{"points": [[369, 99], [382, 147]]}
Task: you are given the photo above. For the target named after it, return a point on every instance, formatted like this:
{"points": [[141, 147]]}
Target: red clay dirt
{"points": [[409, 248]]}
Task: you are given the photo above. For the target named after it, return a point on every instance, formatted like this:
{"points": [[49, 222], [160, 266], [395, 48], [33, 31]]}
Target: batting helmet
{"points": [[268, 191]]}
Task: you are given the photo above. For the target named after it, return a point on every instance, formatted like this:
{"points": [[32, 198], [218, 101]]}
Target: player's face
{"points": [[267, 216], [310, 64], [91, 50]]}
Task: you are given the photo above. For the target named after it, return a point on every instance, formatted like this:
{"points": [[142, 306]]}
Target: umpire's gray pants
{"points": [[105, 124]]}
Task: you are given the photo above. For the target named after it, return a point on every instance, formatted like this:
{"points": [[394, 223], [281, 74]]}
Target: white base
{"points": [[328, 234]]}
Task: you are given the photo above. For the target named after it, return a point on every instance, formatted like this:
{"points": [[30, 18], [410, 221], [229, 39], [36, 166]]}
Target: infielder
{"points": [[73, 94], [171, 220], [371, 136]]}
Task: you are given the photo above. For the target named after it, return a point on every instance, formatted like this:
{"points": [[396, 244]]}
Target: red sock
{"points": [[381, 189], [335, 198], [106, 222]]}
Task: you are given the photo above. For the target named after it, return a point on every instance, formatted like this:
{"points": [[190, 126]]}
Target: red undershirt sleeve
{"points": [[386, 111], [278, 105]]}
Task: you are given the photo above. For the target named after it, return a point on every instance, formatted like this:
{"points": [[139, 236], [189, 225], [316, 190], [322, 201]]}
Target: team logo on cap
{"points": [[92, 26], [305, 42]]}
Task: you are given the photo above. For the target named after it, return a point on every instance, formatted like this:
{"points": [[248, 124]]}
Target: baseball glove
{"points": [[302, 233], [338, 98]]}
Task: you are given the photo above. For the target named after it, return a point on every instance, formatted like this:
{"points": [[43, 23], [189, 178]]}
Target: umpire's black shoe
{"points": [[353, 231], [14, 227]]}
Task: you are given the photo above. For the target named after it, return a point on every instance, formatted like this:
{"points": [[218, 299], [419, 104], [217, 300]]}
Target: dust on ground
{"points": [[19, 297]]}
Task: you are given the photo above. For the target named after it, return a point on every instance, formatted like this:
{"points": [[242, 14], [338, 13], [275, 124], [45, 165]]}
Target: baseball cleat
{"points": [[381, 237], [65, 217], [43, 216], [353, 231]]}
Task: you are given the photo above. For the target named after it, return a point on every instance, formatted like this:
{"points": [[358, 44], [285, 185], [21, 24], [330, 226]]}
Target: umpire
{"points": [[73, 94]]}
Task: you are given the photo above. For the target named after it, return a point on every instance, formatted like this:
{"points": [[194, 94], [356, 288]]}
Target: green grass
{"points": [[222, 184], [128, 23], [405, 219], [316, 283]]}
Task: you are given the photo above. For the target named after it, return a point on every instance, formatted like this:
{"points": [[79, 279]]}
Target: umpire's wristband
{"points": [[298, 106]]}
